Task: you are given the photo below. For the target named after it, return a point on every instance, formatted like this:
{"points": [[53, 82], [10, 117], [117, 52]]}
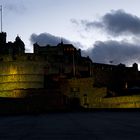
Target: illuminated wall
{"points": [[94, 97], [20, 74], [120, 102], [83, 89]]}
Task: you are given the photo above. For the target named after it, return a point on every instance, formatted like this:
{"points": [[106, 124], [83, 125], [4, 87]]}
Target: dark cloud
{"points": [[90, 25], [46, 38], [115, 52], [116, 23]]}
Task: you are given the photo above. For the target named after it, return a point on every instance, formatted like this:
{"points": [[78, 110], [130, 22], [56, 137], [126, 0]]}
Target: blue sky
{"points": [[75, 21]]}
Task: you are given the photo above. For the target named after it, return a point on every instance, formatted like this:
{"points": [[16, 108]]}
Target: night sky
{"points": [[107, 30]]}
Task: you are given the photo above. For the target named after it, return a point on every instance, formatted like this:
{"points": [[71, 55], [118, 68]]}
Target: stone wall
{"points": [[20, 74], [120, 102], [83, 89], [95, 97]]}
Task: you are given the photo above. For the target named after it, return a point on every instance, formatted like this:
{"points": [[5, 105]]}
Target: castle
{"points": [[59, 76]]}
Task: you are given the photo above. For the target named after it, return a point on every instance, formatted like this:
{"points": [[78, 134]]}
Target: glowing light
{"points": [[13, 70]]}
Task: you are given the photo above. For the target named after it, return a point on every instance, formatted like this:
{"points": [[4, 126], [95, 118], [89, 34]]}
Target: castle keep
{"points": [[61, 76]]}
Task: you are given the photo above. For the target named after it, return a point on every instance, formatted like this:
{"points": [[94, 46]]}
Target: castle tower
{"points": [[19, 46], [2, 42], [3, 38]]}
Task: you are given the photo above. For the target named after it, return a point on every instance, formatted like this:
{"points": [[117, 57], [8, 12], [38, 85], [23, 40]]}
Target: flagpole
{"points": [[1, 16]]}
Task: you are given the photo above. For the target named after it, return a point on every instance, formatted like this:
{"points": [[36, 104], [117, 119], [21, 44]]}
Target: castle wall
{"points": [[20, 74], [83, 89], [118, 102], [94, 97]]}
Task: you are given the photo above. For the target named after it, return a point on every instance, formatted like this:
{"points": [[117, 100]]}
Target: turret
{"points": [[19, 47], [3, 38], [135, 66]]}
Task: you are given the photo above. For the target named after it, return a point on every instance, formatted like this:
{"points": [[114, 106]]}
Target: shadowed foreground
{"points": [[72, 126]]}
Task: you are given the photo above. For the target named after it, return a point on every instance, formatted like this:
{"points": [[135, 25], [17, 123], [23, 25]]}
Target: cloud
{"points": [[115, 52], [120, 26], [45, 38], [116, 23], [74, 21]]}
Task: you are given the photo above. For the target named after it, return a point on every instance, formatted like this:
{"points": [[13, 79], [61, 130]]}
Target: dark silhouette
{"points": [[58, 78]]}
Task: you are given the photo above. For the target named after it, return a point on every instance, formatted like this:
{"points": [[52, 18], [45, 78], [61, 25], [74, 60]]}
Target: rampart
{"points": [[22, 73]]}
